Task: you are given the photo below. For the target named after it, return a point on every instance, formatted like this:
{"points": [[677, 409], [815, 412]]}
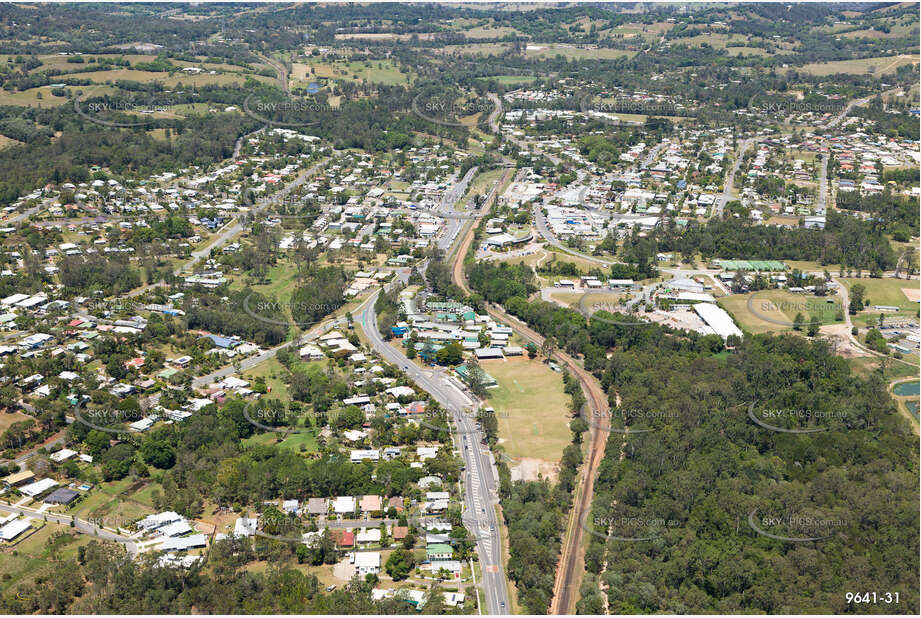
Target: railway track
{"points": [[569, 573]]}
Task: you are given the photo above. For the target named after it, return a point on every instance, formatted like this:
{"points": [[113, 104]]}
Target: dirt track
{"points": [[569, 572]]}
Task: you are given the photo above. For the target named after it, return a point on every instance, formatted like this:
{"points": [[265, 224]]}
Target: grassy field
{"points": [[292, 442], [8, 418], [514, 80], [481, 184], [865, 365], [774, 310], [531, 406], [33, 97], [6, 142], [115, 503], [375, 71], [38, 554], [882, 65], [575, 53], [273, 372], [489, 32], [886, 291], [112, 75]]}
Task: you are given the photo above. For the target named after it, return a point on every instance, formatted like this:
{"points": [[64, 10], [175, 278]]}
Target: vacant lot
{"points": [[38, 554], [8, 418], [6, 142], [775, 310], [880, 66], [532, 408], [574, 53], [374, 71]]}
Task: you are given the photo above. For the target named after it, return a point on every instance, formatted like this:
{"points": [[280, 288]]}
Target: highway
{"points": [[653, 153], [480, 482], [480, 476], [823, 184]]}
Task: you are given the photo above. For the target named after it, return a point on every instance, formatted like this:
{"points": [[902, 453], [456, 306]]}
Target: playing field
{"points": [[887, 291], [774, 310], [531, 406]]}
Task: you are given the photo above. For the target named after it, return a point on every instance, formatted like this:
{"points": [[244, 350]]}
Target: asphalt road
{"points": [[730, 179], [480, 476], [480, 483], [79, 525], [823, 183]]}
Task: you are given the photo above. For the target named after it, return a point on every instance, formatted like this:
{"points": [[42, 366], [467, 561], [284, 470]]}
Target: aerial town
{"points": [[459, 309]]}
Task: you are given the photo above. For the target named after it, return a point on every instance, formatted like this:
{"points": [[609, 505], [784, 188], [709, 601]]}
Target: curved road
{"points": [[79, 525]]}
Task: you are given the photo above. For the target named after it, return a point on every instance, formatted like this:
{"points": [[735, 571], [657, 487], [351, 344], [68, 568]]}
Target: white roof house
{"points": [[368, 535], [401, 391], [177, 528], [360, 455], [426, 452], [183, 543], [344, 504], [157, 520], [13, 529], [367, 562], [38, 487], [245, 526], [62, 455]]}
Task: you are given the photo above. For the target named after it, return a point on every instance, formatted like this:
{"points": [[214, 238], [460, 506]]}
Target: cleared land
{"points": [[774, 310], [880, 66], [888, 292], [531, 406], [374, 71], [8, 418], [38, 554]]}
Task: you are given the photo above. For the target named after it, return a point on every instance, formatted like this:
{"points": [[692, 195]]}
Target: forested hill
{"points": [[711, 485], [688, 520]]}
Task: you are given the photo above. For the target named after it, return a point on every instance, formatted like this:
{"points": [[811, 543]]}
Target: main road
{"points": [[480, 477]]}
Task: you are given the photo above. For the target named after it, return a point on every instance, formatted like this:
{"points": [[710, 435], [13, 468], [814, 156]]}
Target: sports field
{"points": [[774, 310], [531, 406]]}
